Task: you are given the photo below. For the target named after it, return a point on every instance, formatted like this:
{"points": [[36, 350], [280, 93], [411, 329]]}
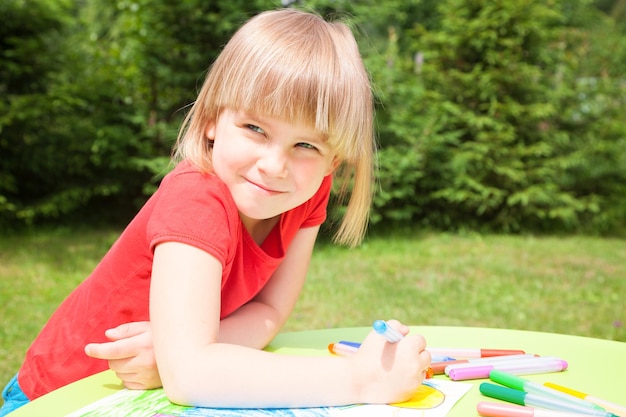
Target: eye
{"points": [[255, 128], [305, 145]]}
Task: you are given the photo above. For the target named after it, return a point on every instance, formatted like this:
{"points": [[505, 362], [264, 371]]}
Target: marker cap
{"points": [[507, 379], [487, 353], [503, 410], [502, 393], [391, 334], [380, 326]]}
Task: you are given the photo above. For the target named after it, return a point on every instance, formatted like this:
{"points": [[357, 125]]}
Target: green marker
{"points": [[521, 384], [536, 400]]}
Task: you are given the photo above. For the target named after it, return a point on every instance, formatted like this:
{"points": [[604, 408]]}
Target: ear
{"points": [[333, 166], [210, 130]]}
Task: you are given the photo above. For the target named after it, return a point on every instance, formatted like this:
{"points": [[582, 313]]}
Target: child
{"points": [[216, 258]]}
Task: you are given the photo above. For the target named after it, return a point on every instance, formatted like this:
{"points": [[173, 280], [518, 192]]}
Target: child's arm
{"points": [[256, 323], [196, 369], [130, 353]]}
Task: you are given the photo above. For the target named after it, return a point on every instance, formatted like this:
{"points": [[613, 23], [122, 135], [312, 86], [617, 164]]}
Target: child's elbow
{"points": [[177, 394], [179, 386]]}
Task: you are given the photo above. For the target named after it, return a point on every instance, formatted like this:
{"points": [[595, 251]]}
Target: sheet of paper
{"points": [[434, 399]]}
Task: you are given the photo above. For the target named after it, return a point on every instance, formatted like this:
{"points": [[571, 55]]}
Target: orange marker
{"points": [[341, 349]]}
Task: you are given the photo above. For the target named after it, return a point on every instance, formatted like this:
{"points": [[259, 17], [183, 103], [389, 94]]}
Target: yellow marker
{"points": [[618, 410]]}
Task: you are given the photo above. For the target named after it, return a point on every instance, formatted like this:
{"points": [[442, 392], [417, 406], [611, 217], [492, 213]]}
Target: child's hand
{"points": [[130, 354], [390, 372]]}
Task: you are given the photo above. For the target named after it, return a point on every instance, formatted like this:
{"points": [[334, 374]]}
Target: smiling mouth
{"points": [[263, 188]]}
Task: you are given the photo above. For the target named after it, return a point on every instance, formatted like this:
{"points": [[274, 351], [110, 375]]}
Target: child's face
{"points": [[269, 165]]}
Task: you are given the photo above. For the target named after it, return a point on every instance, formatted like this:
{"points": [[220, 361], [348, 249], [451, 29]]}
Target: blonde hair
{"points": [[294, 65]]}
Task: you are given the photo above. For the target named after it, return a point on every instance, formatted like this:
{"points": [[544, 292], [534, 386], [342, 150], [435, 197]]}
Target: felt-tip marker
{"points": [[616, 409], [440, 366], [489, 409], [341, 349], [384, 329], [464, 353], [538, 365], [533, 400], [344, 348], [347, 345], [521, 384]]}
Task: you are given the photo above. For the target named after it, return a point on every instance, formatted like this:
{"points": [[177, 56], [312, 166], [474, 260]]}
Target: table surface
{"points": [[596, 366]]}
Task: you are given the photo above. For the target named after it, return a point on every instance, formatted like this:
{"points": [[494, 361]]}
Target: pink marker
{"points": [[538, 365], [511, 410], [462, 363]]}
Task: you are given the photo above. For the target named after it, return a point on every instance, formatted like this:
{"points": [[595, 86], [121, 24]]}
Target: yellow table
{"points": [[597, 367]]}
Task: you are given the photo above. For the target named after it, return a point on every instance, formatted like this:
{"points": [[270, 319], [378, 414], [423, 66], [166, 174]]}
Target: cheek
{"points": [[311, 175], [219, 159], [229, 156]]}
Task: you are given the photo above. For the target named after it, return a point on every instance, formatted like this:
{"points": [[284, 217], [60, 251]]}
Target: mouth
{"points": [[265, 189]]}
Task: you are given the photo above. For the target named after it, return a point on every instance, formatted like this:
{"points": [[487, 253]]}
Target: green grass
{"points": [[573, 285]]}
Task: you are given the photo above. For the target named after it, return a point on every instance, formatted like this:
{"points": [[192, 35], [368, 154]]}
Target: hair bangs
{"points": [[287, 93], [298, 71]]}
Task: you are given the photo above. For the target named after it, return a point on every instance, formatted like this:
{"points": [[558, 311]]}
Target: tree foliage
{"points": [[94, 94], [501, 115], [491, 121]]}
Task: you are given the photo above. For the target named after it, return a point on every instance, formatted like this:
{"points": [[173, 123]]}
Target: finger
{"points": [[136, 385], [420, 343], [126, 330], [135, 363], [398, 326], [136, 381], [121, 367], [119, 349], [130, 380]]}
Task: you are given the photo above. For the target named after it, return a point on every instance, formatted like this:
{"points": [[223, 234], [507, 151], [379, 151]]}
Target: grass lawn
{"points": [[573, 285]]}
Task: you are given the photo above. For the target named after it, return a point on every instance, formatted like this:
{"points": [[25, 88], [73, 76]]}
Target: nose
{"points": [[273, 162]]}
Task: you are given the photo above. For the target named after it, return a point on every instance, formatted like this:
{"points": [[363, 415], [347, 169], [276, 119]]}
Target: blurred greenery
{"points": [[499, 116]]}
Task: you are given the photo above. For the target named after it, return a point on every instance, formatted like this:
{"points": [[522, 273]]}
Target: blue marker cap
{"points": [[380, 326], [391, 334]]}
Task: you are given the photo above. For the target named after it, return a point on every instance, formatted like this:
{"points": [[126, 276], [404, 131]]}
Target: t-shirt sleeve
{"points": [[193, 208]]}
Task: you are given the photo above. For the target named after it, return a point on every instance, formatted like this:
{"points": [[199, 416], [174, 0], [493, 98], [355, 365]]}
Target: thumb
{"points": [[126, 330]]}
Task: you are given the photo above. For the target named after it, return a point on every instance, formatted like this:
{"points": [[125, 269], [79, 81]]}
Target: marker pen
{"points": [[444, 366], [344, 348], [519, 361], [511, 410], [354, 344], [616, 409], [521, 384], [524, 398], [341, 349], [522, 367], [433, 358], [474, 353], [391, 334]]}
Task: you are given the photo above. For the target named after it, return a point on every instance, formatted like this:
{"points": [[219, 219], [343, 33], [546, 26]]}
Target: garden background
{"points": [[501, 197]]}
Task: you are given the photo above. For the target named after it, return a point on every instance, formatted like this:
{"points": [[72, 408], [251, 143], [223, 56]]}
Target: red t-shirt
{"points": [[189, 207]]}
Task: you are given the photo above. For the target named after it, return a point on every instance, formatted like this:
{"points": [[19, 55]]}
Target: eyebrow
{"points": [[318, 137]]}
